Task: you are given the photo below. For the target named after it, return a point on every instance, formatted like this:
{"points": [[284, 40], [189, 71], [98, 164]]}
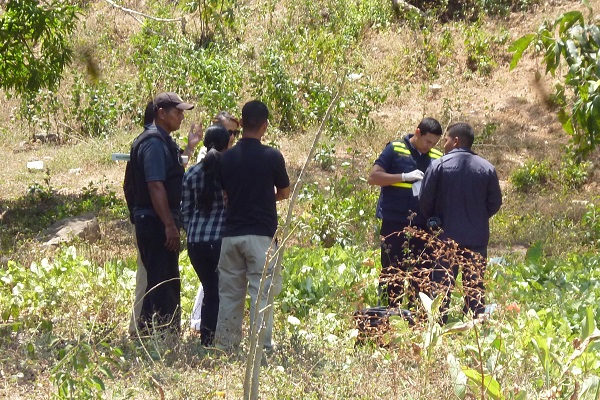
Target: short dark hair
{"points": [[430, 125], [254, 114], [464, 132]]}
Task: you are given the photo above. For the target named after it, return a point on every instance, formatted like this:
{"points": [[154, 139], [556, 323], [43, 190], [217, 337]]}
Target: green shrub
{"points": [[209, 76], [591, 223], [328, 279], [572, 175], [215, 16], [471, 9], [339, 212], [481, 48], [98, 108], [92, 109], [276, 88], [531, 176]]}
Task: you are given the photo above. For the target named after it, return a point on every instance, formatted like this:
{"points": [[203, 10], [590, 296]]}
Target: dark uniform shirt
{"points": [[397, 202], [161, 162]]}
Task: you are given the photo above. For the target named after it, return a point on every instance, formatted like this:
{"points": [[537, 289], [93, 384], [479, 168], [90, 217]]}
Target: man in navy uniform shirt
{"points": [[400, 166]]}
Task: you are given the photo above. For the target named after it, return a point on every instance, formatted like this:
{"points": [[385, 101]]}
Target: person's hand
{"points": [[172, 234], [412, 176], [195, 136]]}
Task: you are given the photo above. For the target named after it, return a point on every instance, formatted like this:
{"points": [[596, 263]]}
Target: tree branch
{"points": [[134, 13]]}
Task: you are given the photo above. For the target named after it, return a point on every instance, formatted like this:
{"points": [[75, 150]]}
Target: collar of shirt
{"points": [[461, 150], [158, 128]]}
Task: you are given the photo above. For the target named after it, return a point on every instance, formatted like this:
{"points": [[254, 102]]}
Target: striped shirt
{"points": [[199, 226]]}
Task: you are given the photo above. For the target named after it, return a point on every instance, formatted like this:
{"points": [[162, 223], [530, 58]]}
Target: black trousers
{"points": [[205, 259], [404, 269], [472, 263], [161, 308]]}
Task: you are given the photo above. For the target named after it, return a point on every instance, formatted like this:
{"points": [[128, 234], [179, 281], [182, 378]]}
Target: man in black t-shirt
{"points": [[254, 178]]}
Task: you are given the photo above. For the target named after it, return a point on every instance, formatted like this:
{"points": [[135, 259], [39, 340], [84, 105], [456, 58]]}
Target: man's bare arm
{"points": [[282, 193]]}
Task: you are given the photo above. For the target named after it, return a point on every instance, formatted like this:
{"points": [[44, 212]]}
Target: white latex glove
{"points": [[412, 176]]}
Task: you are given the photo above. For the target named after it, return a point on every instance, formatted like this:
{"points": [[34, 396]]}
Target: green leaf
{"points": [[568, 19], [566, 121], [541, 345], [459, 379], [98, 383], [534, 253], [491, 385], [106, 371], [522, 395], [573, 52], [595, 34], [590, 388], [518, 47]]}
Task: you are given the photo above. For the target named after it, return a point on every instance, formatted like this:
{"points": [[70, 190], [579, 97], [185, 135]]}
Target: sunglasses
{"points": [[234, 133]]}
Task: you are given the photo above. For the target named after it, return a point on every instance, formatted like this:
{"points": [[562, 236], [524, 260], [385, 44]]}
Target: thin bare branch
{"points": [[134, 13]]}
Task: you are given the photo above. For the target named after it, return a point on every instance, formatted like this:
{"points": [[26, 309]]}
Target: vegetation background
{"points": [[65, 309]]}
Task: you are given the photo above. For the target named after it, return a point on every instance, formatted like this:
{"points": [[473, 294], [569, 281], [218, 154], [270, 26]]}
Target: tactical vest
{"points": [[174, 178], [402, 151]]}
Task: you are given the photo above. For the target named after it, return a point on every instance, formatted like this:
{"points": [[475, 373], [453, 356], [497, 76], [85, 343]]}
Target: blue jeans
{"points": [[161, 307]]}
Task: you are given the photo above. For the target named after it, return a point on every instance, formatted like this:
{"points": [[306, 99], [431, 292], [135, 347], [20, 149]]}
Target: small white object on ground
{"points": [[35, 165], [435, 88]]}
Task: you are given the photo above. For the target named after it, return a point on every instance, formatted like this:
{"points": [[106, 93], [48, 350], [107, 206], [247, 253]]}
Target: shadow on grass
{"points": [[25, 218]]}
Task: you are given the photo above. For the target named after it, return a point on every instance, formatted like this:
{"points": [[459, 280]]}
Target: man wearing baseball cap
{"points": [[157, 168]]}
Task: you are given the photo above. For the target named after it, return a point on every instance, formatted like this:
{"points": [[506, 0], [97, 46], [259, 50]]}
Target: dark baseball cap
{"points": [[170, 99]]}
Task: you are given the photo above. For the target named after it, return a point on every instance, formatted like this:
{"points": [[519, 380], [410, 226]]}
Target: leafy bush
{"points": [[572, 175], [577, 45], [276, 88], [209, 75], [479, 46], [338, 213], [37, 300], [591, 221], [471, 9], [327, 279], [325, 156], [93, 109], [215, 15], [98, 108], [532, 175], [36, 48]]}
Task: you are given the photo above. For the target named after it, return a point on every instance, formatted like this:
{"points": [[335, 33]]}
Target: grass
{"points": [[313, 351], [75, 305]]}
